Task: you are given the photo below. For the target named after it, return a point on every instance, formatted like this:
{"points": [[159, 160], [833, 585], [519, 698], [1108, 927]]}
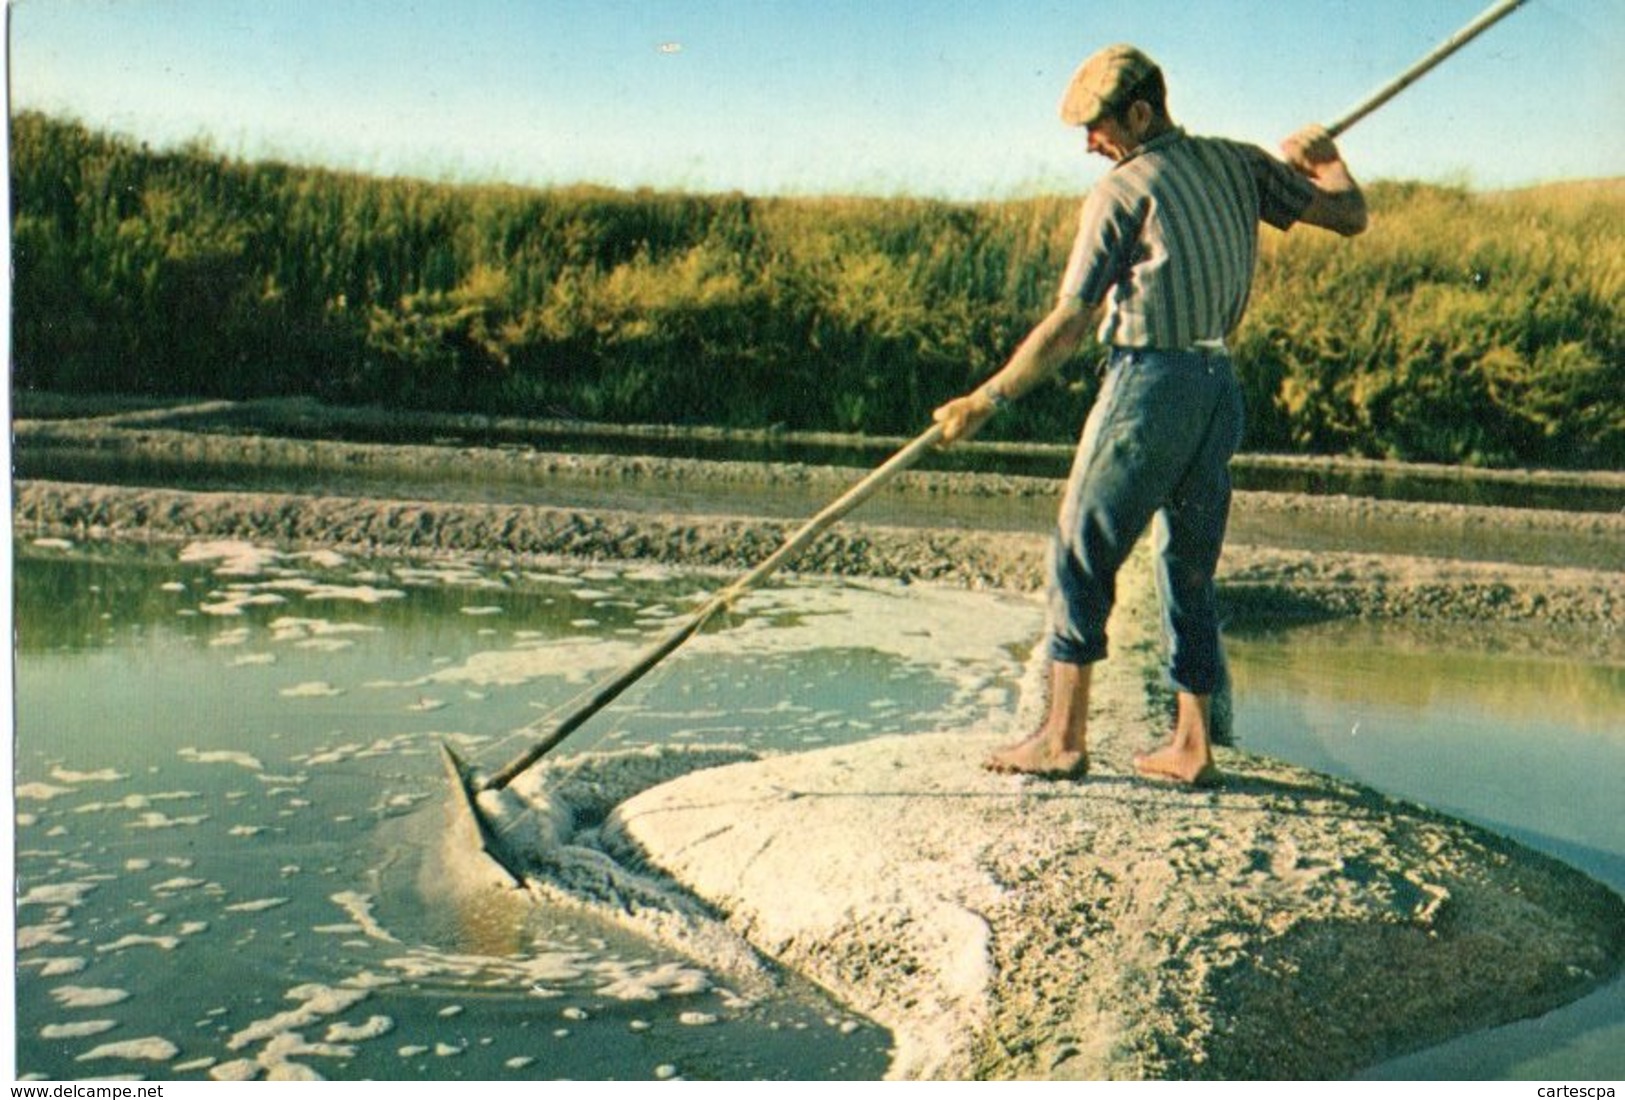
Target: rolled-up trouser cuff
{"points": [[1069, 651]]}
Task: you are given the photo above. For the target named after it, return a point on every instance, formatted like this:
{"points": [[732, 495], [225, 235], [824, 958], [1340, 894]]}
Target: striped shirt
{"points": [[1171, 235]]}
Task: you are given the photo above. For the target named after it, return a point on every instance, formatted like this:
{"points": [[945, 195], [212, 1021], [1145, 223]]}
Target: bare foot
{"points": [[1036, 756], [1175, 764]]}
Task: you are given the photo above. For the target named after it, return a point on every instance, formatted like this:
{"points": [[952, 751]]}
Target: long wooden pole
{"points": [[602, 694], [1492, 15]]}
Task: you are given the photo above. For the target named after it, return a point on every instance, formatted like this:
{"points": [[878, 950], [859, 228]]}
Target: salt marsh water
{"points": [[1481, 724], [228, 794]]}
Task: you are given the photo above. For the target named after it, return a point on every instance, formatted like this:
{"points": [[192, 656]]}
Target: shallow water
{"points": [[1473, 724], [228, 801], [228, 809]]}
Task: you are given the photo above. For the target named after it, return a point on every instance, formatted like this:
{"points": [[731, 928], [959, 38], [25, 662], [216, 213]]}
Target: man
{"points": [[1166, 248]]}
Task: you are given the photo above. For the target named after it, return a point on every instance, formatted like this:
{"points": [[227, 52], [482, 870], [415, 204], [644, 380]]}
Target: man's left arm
{"points": [[1337, 204]]}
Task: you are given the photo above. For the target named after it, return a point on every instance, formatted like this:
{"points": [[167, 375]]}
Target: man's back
{"points": [[1171, 235]]}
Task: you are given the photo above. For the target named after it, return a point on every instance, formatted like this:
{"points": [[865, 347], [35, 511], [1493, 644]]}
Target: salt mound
{"points": [[1284, 926]]}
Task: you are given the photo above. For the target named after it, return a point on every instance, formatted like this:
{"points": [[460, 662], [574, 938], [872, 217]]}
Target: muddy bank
{"points": [[56, 419], [1256, 581], [143, 438]]}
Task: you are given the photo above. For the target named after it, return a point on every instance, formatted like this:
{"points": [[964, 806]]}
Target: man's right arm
{"points": [[1106, 230], [1337, 204], [1049, 345]]}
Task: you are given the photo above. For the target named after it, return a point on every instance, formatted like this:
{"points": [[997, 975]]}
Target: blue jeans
{"points": [[1157, 445]]}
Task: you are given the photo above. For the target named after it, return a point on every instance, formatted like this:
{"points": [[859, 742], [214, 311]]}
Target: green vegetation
{"points": [[1476, 329]]}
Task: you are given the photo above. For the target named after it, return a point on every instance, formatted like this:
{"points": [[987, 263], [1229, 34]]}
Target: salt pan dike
{"points": [[1284, 925]]}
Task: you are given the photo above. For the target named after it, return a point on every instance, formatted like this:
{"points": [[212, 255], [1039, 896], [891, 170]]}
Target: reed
{"points": [[1481, 329]]}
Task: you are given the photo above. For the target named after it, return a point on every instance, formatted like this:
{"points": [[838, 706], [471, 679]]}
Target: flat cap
{"points": [[1101, 82]]}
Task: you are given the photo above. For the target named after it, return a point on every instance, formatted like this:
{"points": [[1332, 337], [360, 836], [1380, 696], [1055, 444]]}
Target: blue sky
{"points": [[948, 98]]}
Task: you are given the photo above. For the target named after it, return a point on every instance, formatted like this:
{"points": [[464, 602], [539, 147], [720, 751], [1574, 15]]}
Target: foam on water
{"points": [[134, 802], [248, 659], [222, 756], [81, 1029], [134, 939], [153, 1048], [67, 894], [237, 601], [311, 689], [104, 775], [318, 590], [157, 819], [40, 792], [212, 912], [374, 1027], [258, 905], [572, 660], [80, 996], [316, 1002], [359, 908], [56, 966], [236, 557]]}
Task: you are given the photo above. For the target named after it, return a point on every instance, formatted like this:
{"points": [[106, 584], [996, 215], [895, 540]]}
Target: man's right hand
{"points": [[963, 417]]}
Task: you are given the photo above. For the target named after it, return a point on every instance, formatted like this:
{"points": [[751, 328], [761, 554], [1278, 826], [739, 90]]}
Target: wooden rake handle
{"points": [[605, 692], [1491, 15]]}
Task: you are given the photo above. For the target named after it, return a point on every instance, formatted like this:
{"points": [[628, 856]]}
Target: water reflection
{"points": [[1518, 730]]}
